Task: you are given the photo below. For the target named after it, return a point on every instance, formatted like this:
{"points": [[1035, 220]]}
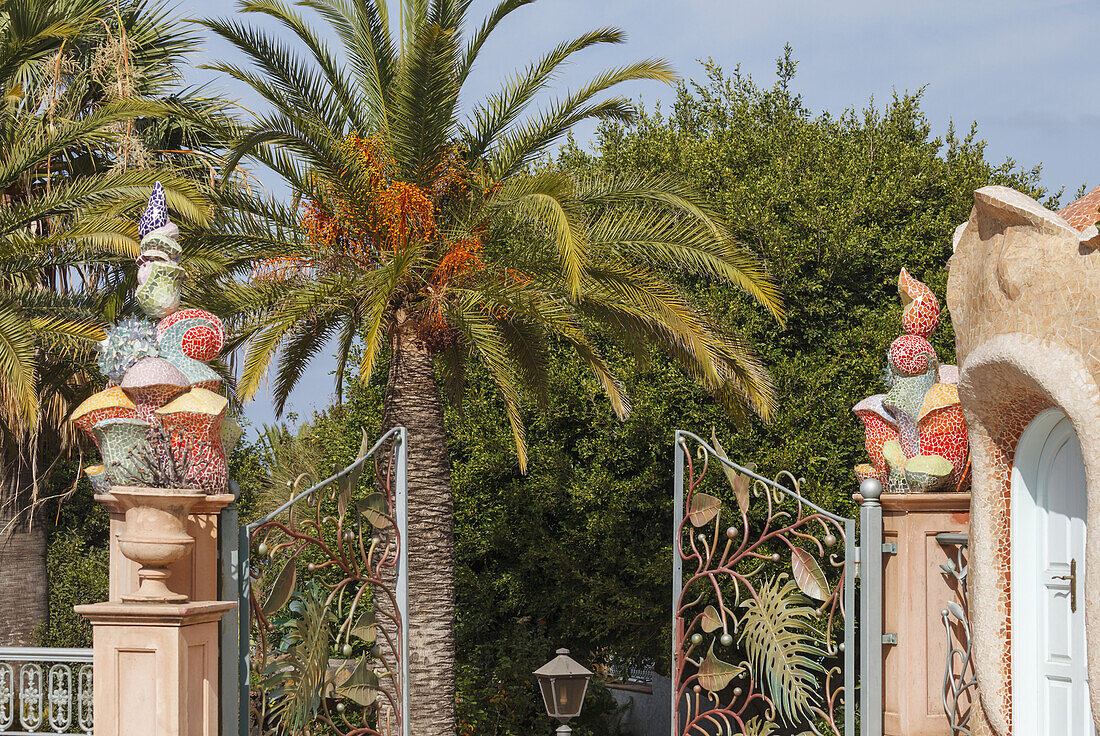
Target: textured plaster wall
{"points": [[1024, 296]]}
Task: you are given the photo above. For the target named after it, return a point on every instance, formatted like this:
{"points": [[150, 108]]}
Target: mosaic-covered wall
{"points": [[1024, 297]]}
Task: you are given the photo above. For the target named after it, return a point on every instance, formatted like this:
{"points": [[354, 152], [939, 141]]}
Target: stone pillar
{"points": [[155, 667], [195, 576], [915, 590]]}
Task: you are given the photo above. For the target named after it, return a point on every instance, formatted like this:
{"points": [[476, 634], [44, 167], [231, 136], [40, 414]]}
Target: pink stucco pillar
{"points": [[915, 591], [155, 667]]}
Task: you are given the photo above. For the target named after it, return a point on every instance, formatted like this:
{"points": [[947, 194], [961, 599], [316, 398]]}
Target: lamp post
{"points": [[563, 683]]}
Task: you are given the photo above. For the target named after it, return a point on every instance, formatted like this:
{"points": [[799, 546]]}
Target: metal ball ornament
{"points": [[696, 639], [346, 650], [830, 540], [311, 567], [340, 707], [697, 689], [775, 557], [702, 537], [262, 550], [737, 691], [726, 640], [731, 532], [349, 536]]}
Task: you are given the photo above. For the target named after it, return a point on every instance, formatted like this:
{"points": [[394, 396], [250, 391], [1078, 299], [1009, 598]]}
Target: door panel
{"points": [[1049, 506]]}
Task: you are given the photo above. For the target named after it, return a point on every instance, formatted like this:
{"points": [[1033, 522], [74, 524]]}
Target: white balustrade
{"points": [[45, 691]]}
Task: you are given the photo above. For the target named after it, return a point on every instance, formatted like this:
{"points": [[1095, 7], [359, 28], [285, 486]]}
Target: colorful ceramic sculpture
{"points": [[915, 433], [121, 444], [97, 474], [164, 389], [111, 403], [152, 383], [194, 422]]}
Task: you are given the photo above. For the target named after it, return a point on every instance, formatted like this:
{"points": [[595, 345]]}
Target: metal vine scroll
{"points": [[761, 586], [328, 597], [959, 681]]}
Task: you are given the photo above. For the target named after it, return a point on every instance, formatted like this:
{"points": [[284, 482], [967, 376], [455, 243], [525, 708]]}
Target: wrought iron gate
{"points": [[332, 571], [764, 604]]}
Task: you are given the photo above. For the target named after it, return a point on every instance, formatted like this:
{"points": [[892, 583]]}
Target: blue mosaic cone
{"points": [[156, 212]]}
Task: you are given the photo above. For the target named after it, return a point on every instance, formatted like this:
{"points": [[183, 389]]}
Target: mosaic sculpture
{"points": [[915, 432], [160, 380]]}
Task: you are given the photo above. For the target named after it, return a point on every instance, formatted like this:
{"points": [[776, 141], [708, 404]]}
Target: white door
{"points": [[1050, 679]]}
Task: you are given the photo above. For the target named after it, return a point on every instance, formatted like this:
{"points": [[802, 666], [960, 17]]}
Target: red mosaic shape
{"points": [[194, 422], [921, 312], [1083, 212], [911, 354], [877, 432], [199, 334]]}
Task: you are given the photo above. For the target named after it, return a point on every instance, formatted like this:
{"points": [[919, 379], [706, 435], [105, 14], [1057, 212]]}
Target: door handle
{"points": [[1072, 578]]}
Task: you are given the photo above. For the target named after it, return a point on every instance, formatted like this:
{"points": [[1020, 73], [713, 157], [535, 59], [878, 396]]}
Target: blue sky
{"points": [[1022, 70]]}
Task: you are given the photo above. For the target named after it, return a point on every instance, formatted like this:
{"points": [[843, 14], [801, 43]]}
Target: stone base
{"points": [[156, 667]]}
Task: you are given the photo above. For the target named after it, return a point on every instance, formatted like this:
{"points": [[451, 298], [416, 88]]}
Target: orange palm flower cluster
{"points": [[358, 225]]}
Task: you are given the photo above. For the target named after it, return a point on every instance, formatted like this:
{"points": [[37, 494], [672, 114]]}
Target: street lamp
{"points": [[563, 682]]}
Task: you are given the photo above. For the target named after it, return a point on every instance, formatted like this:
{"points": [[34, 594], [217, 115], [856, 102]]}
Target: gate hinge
{"points": [[889, 638], [889, 548]]}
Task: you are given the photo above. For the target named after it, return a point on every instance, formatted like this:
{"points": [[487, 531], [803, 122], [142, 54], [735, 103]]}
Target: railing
{"points": [[45, 691]]}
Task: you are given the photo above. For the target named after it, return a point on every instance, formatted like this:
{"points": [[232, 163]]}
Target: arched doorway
{"points": [[1049, 505]]}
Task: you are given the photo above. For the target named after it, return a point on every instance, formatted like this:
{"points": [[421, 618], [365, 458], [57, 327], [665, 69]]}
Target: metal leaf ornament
{"points": [[366, 628], [704, 508], [710, 620], [362, 685], [714, 674], [156, 212], [373, 507], [784, 648], [807, 573], [283, 588], [739, 483]]}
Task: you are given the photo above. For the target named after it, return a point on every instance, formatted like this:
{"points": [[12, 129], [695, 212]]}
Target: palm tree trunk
{"points": [[24, 600], [413, 400]]}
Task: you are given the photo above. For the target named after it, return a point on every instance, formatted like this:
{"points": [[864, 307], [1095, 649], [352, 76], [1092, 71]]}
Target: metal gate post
{"points": [[851, 567], [229, 642], [679, 447], [870, 609], [244, 634]]}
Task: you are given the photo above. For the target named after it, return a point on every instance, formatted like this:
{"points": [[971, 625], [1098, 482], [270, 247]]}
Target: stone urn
{"points": [[155, 535]]}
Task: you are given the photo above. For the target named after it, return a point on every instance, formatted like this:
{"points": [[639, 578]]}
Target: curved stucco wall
{"points": [[1024, 296]]}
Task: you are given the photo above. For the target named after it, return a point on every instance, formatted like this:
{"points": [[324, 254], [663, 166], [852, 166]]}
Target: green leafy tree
{"points": [[837, 204], [424, 232]]}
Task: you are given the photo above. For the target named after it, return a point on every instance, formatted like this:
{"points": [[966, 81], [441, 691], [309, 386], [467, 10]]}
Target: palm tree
{"points": [[74, 166], [438, 238]]}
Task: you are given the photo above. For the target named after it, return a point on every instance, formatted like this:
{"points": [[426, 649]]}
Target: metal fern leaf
{"points": [[779, 636]]}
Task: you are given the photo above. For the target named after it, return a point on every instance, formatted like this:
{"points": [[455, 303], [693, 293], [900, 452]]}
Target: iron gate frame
{"points": [[236, 560], [863, 562]]}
